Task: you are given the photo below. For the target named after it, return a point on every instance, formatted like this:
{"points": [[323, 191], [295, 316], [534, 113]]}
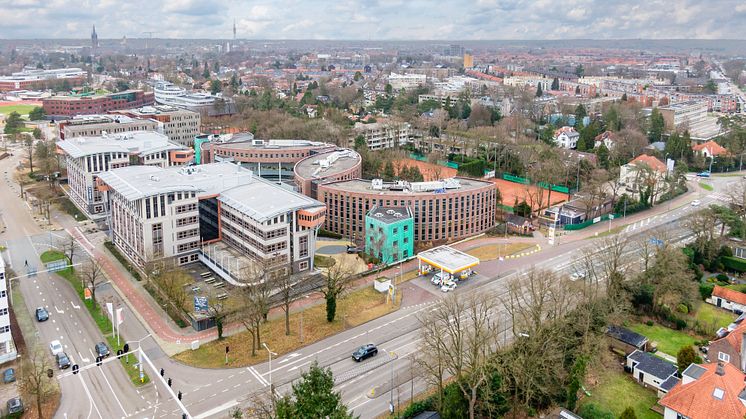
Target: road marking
{"points": [[289, 357], [90, 398], [83, 359], [256, 375], [74, 306], [216, 409], [58, 310]]}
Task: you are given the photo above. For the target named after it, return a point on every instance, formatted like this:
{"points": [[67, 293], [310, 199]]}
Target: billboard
{"points": [[200, 304]]}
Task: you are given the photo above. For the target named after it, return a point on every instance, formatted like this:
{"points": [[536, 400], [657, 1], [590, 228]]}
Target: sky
{"points": [[376, 19]]}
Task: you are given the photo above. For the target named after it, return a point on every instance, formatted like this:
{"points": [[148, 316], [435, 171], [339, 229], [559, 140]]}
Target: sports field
{"points": [[23, 109], [529, 193]]}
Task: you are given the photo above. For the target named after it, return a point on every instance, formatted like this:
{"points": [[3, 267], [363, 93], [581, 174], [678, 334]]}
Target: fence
{"points": [[516, 179], [584, 224], [556, 188]]}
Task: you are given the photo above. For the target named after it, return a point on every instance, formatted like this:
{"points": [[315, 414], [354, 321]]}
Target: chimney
{"points": [[720, 370]]}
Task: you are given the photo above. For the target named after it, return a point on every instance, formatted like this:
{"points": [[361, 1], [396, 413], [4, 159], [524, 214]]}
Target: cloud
{"points": [[377, 19]]}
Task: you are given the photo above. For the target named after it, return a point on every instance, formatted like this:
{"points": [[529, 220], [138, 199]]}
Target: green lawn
{"points": [[617, 391], [21, 109], [705, 186], [669, 341], [737, 287], [51, 256], [711, 315]]}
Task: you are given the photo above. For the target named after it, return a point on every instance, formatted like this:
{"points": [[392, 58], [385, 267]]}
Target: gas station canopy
{"points": [[447, 259]]}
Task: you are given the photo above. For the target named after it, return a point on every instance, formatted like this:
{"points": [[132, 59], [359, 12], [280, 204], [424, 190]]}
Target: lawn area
{"points": [[66, 205], [357, 308], [493, 251], [669, 341], [99, 317], [705, 186], [616, 391], [21, 109], [713, 317], [737, 287]]}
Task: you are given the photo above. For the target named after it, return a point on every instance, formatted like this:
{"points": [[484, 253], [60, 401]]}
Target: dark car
{"points": [[9, 375], [42, 314], [62, 360], [364, 352], [102, 350], [15, 405]]}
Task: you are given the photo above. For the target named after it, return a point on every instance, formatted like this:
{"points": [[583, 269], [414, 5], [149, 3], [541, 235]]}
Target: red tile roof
{"points": [[606, 134], [696, 399], [729, 294], [650, 161], [712, 147]]}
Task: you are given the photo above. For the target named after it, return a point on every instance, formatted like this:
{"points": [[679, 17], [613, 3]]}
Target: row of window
{"points": [[187, 246], [187, 233], [180, 222], [186, 208]]}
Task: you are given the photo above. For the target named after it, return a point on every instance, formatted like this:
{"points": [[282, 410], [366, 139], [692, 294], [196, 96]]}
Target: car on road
{"points": [[14, 405], [56, 347], [102, 350], [9, 375], [448, 286], [42, 314], [577, 275], [364, 352], [696, 203], [62, 361], [352, 249], [704, 174]]}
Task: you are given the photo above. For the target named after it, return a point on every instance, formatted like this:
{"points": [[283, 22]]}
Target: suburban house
{"points": [[643, 171], [626, 340], [651, 371], [731, 347], [566, 137], [607, 138], [728, 299], [583, 208], [707, 391], [709, 149]]}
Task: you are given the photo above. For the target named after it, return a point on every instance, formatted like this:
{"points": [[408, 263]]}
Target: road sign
{"points": [[611, 216], [656, 242], [87, 293]]}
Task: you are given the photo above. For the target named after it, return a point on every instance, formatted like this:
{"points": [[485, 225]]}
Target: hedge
{"points": [[734, 263], [124, 261]]}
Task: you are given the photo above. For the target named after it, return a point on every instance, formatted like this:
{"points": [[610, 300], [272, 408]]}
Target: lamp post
{"points": [[270, 353]]}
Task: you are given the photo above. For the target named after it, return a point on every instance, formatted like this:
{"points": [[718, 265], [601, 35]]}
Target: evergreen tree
{"points": [[206, 71], [555, 84], [539, 93], [602, 153], [624, 97], [358, 76], [465, 110], [686, 357], [657, 125], [388, 171], [37, 114], [388, 89], [234, 82], [215, 86], [13, 123], [313, 396], [580, 112]]}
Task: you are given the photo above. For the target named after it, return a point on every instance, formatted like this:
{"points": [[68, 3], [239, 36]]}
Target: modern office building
{"points": [[329, 166], [85, 104], [206, 104], [444, 210], [87, 157], [7, 347], [185, 213], [96, 125], [389, 233], [406, 81], [380, 135], [270, 159], [31, 79], [179, 125]]}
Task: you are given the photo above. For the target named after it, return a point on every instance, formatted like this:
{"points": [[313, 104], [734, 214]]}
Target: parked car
{"points": [[102, 350], [448, 286], [56, 347], [9, 375], [696, 203], [42, 314], [15, 405], [704, 174], [364, 352], [439, 278], [62, 361], [577, 275], [352, 249]]}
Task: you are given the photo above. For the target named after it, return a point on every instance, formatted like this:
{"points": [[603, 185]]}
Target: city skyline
{"points": [[377, 20]]}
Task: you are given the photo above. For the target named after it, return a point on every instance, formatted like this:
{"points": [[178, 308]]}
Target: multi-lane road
{"points": [[105, 392]]}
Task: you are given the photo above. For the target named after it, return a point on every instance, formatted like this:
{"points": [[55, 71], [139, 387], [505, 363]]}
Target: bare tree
{"points": [[92, 276], [35, 381], [255, 295], [172, 283], [338, 279], [536, 296], [68, 246], [285, 283]]}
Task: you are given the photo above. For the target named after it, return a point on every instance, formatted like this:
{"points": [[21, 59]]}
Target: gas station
{"points": [[446, 259]]}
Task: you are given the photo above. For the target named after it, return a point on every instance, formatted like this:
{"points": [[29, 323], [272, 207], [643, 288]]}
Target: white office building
{"points": [[406, 81], [380, 135], [7, 347]]}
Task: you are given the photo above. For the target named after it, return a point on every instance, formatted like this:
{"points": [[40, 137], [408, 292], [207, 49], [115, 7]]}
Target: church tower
{"points": [[94, 38]]}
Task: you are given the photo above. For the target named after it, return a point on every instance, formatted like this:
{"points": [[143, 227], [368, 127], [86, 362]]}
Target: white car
{"points": [[56, 347], [696, 203], [448, 286], [577, 275]]}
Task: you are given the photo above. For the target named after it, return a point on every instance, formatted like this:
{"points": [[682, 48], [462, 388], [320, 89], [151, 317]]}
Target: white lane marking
{"points": [[90, 399], [113, 393], [216, 409], [74, 306], [58, 310], [258, 377]]}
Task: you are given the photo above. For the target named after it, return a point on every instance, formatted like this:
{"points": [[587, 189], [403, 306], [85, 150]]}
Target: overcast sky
{"points": [[376, 19]]}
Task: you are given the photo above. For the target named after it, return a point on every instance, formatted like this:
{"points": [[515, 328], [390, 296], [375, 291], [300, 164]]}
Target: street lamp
{"points": [[270, 353]]}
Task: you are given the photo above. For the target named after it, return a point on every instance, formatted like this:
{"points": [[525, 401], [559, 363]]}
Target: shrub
{"points": [[649, 323], [680, 324], [722, 279], [329, 234], [593, 411], [705, 290], [734, 263], [682, 308], [417, 407]]}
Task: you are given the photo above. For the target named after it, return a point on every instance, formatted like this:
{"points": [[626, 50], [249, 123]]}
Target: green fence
{"points": [[556, 188], [572, 227], [516, 179], [506, 208], [416, 156]]}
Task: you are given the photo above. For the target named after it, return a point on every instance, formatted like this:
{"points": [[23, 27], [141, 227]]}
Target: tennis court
{"points": [[511, 190]]}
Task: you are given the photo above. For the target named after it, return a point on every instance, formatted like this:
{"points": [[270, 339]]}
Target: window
{"points": [[303, 265], [396, 230], [3, 312], [303, 246], [722, 356], [5, 329]]}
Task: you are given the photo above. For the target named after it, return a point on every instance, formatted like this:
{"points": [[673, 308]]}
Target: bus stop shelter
{"points": [[446, 259]]}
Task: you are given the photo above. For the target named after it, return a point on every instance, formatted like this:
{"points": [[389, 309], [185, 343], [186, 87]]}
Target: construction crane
{"points": [[150, 36]]}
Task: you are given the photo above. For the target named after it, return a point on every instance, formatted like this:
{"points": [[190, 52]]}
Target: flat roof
{"points": [[263, 200], [151, 110], [135, 182], [362, 185], [448, 259], [311, 166], [136, 142], [390, 214], [244, 141]]}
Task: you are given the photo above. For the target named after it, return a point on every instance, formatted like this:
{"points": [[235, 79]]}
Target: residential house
{"points": [[642, 172], [728, 299], [709, 149], [651, 371], [607, 138], [707, 391], [625, 339], [731, 347], [566, 137]]}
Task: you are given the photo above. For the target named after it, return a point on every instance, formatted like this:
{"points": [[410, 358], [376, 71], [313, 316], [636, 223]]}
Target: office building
{"points": [[31, 79], [87, 157], [406, 81], [96, 125], [181, 126], [389, 233], [205, 104], [7, 347], [444, 210], [186, 213], [85, 104], [329, 166], [381, 135]]}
